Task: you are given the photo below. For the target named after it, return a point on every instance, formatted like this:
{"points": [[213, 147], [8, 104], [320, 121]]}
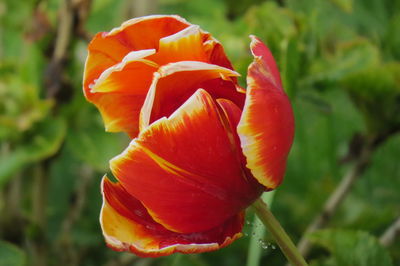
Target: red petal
{"points": [[216, 53], [176, 82], [231, 117], [184, 169], [127, 226], [266, 128], [268, 68]]}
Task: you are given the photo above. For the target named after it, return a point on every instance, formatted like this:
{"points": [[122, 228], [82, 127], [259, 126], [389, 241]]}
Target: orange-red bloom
{"points": [[203, 148]]}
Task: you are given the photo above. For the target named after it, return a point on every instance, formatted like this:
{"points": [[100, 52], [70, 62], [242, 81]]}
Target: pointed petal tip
{"points": [[263, 69]]}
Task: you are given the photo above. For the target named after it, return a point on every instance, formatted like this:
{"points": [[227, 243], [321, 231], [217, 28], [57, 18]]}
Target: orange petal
{"points": [[108, 49], [127, 226], [120, 111], [119, 92], [132, 75], [191, 44], [174, 83], [186, 45], [145, 32], [184, 169], [266, 128]]}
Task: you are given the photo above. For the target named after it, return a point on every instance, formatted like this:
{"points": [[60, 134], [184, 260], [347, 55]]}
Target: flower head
{"points": [[203, 148]]}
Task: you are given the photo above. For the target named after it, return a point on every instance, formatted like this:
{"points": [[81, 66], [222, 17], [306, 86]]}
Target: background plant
{"points": [[340, 64]]}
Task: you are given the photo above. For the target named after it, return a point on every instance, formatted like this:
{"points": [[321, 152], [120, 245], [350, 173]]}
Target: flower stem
{"points": [[282, 239], [258, 232]]}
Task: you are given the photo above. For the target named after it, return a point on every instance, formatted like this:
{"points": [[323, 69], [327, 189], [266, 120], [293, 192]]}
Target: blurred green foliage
{"points": [[340, 64], [365, 249], [11, 255]]}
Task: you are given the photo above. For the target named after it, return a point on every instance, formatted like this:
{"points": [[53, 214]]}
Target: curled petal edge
{"points": [[134, 56], [145, 18], [151, 247], [209, 71]]}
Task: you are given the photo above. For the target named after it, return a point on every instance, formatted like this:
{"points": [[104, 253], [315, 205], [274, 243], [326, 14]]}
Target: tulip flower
{"points": [[203, 148]]}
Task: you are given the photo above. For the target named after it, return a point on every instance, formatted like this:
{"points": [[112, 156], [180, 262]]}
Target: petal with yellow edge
{"points": [[132, 75], [216, 54], [184, 169], [174, 83], [191, 44], [127, 226], [119, 92], [109, 48], [185, 45], [119, 111], [266, 128]]}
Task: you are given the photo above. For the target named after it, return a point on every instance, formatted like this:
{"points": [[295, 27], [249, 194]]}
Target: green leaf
{"points": [[348, 58], [376, 92], [281, 24], [11, 255], [350, 248], [91, 144], [21, 106], [45, 141], [291, 66], [345, 5]]}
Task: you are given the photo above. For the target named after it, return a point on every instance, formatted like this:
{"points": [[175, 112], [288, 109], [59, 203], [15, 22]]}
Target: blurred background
{"points": [[340, 64]]}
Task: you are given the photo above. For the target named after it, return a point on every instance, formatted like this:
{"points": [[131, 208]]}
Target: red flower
{"points": [[203, 148]]}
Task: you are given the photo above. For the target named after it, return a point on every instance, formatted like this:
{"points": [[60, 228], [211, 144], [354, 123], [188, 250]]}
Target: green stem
{"points": [[258, 232], [282, 239], [177, 259]]}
